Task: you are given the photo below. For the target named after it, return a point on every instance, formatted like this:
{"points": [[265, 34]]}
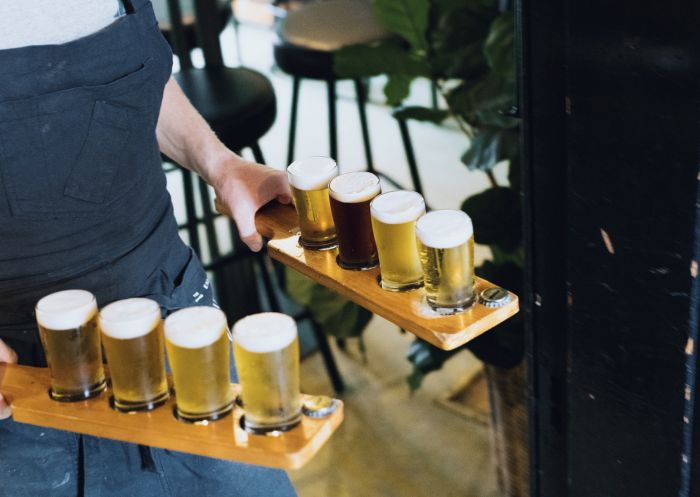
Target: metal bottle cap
{"points": [[319, 406], [494, 297]]}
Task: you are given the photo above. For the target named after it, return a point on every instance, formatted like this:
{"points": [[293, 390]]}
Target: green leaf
{"points": [[425, 358], [336, 315], [500, 44], [397, 89], [387, 57], [421, 114], [497, 217], [406, 18], [490, 146]]}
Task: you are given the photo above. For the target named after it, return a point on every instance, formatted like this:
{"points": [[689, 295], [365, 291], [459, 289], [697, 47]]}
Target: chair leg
{"points": [[261, 259], [410, 157], [361, 94], [328, 359], [332, 129], [293, 121], [434, 95], [257, 153]]}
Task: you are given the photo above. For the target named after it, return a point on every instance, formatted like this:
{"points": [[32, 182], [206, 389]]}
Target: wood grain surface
{"points": [[27, 390], [408, 310]]}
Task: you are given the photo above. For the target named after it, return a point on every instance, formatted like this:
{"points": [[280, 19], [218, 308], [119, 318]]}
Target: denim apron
{"points": [[83, 204]]}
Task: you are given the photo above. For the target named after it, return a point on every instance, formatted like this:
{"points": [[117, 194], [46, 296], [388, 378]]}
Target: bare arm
{"points": [[242, 186]]}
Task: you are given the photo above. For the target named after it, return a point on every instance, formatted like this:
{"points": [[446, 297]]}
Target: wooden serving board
{"points": [[408, 310], [27, 390]]}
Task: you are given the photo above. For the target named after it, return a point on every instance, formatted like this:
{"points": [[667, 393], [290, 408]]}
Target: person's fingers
{"points": [[284, 199], [245, 222], [283, 192], [7, 354], [5, 408]]}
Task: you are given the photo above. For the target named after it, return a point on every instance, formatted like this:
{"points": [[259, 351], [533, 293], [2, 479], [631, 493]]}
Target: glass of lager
{"points": [[132, 335], [446, 247], [351, 194], [67, 322], [309, 180], [394, 217], [198, 349], [266, 349]]}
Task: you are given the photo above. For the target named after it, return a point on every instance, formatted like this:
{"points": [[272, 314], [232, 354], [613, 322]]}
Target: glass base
{"points": [[327, 245], [263, 430], [90, 392], [450, 310], [357, 267], [201, 418], [391, 287], [138, 406]]}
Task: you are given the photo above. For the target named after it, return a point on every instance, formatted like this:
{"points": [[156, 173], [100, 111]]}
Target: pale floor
{"points": [[391, 444]]}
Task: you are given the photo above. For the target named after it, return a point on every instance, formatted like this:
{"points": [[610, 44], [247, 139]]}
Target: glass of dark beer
{"points": [[350, 195]]}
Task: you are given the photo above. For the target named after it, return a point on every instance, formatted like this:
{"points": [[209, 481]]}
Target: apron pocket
{"points": [[91, 177]]}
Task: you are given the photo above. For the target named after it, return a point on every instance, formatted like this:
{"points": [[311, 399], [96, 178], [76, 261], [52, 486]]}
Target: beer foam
{"points": [[129, 318], [66, 309], [444, 229], [354, 187], [397, 207], [312, 173], [265, 332], [195, 327]]}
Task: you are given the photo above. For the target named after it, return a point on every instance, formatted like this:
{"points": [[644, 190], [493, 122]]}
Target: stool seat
{"points": [[238, 103], [333, 24], [160, 9]]}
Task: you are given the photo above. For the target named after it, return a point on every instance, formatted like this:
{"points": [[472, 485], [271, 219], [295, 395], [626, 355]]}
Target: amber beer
{"points": [[132, 335], [198, 348], [394, 217], [67, 322], [350, 195], [309, 180], [266, 350], [446, 247]]}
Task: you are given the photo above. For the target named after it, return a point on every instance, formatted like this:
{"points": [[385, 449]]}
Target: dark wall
{"points": [[610, 94]]}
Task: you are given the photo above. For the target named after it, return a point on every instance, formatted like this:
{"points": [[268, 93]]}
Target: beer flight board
{"points": [[408, 309], [27, 389]]}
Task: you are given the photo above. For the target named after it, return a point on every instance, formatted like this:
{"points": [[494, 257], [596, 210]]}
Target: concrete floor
{"points": [[391, 443]]}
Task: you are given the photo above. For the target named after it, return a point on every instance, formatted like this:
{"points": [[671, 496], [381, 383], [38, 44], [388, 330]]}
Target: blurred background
{"points": [[422, 93]]}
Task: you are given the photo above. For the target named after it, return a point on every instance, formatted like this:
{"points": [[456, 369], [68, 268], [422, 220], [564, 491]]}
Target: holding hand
{"points": [[7, 355]]}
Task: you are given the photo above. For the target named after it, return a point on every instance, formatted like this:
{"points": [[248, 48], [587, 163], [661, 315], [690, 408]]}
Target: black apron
{"points": [[83, 204]]}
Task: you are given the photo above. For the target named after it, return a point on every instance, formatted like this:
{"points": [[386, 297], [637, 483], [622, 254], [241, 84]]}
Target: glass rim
{"points": [[459, 234], [376, 181], [332, 162], [66, 318], [131, 318], [382, 195]]}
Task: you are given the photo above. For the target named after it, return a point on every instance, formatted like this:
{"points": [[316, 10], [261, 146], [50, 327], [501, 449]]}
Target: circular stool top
{"points": [[330, 25]]}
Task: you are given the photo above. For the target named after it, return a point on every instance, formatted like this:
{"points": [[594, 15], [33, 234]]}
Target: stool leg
{"points": [[257, 153], [191, 211], [293, 121], [332, 130], [410, 157], [361, 94], [272, 299], [328, 359]]}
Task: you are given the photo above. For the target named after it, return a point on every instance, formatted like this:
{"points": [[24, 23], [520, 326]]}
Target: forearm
{"points": [[184, 136]]}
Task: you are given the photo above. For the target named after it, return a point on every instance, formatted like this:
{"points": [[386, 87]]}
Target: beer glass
{"points": [[67, 322], [350, 195], [197, 342], [446, 247], [309, 180], [266, 350], [394, 217], [132, 335]]}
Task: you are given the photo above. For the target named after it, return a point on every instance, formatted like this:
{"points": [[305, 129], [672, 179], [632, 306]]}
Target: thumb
{"points": [[245, 222], [5, 409], [7, 354]]}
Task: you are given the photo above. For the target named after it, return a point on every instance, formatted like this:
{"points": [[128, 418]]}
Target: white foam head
{"points": [[265, 332], [65, 310], [444, 229], [195, 327], [355, 187], [312, 173], [398, 207], [129, 318]]}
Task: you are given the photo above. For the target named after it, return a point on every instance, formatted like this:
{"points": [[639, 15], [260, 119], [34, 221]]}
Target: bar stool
{"points": [[240, 106], [307, 41]]}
